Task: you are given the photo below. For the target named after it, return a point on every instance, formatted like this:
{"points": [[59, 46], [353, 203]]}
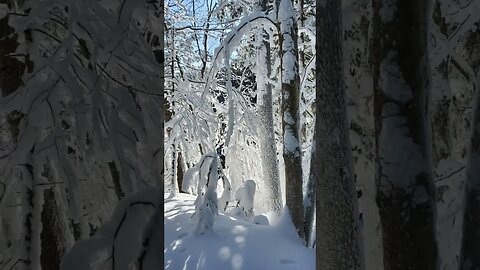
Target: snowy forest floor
{"points": [[233, 244]]}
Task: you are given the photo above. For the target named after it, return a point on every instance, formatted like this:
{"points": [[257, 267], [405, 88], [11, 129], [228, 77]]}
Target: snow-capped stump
{"points": [[244, 196], [261, 220], [237, 213], [190, 180]]}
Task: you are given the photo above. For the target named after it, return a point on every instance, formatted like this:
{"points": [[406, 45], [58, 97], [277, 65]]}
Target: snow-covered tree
{"points": [[206, 205], [290, 89], [245, 100], [270, 166], [80, 117]]}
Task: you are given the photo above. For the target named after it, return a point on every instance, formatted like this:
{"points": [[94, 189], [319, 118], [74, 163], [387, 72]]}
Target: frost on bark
{"points": [[469, 59], [453, 54], [290, 88], [337, 230], [405, 192], [266, 123], [359, 99], [79, 126]]}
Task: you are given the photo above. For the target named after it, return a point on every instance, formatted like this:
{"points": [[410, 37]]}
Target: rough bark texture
{"points": [[52, 249], [470, 54], [452, 61], [268, 145], [359, 93], [470, 259], [405, 192], [338, 246], [291, 114], [266, 127]]}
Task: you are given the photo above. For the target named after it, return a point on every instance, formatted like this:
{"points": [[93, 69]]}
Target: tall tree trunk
{"points": [[471, 229], [359, 93], [169, 108], [174, 187], [469, 60], [292, 154], [451, 117], [309, 196], [338, 247], [405, 192], [268, 147]]}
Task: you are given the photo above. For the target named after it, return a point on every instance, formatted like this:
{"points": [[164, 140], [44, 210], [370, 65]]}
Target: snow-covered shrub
{"points": [[207, 202], [244, 196], [237, 212], [122, 242]]}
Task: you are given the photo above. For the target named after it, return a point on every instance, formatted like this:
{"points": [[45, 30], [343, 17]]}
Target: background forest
{"points": [[240, 101], [224, 93], [357, 120]]}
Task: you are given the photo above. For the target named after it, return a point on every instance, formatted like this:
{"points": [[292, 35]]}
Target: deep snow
{"points": [[233, 243]]}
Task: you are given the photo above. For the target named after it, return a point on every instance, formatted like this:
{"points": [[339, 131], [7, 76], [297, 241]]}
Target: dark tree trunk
{"points": [[470, 259], [292, 154], [338, 246], [405, 192], [470, 254]]}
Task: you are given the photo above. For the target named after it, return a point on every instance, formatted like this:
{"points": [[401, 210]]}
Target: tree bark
{"points": [[405, 192], [267, 133], [290, 113], [469, 59], [337, 230], [357, 27], [451, 116], [471, 230]]}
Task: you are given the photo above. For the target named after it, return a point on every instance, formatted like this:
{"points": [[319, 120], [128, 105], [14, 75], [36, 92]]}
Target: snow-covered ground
{"points": [[233, 244]]}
